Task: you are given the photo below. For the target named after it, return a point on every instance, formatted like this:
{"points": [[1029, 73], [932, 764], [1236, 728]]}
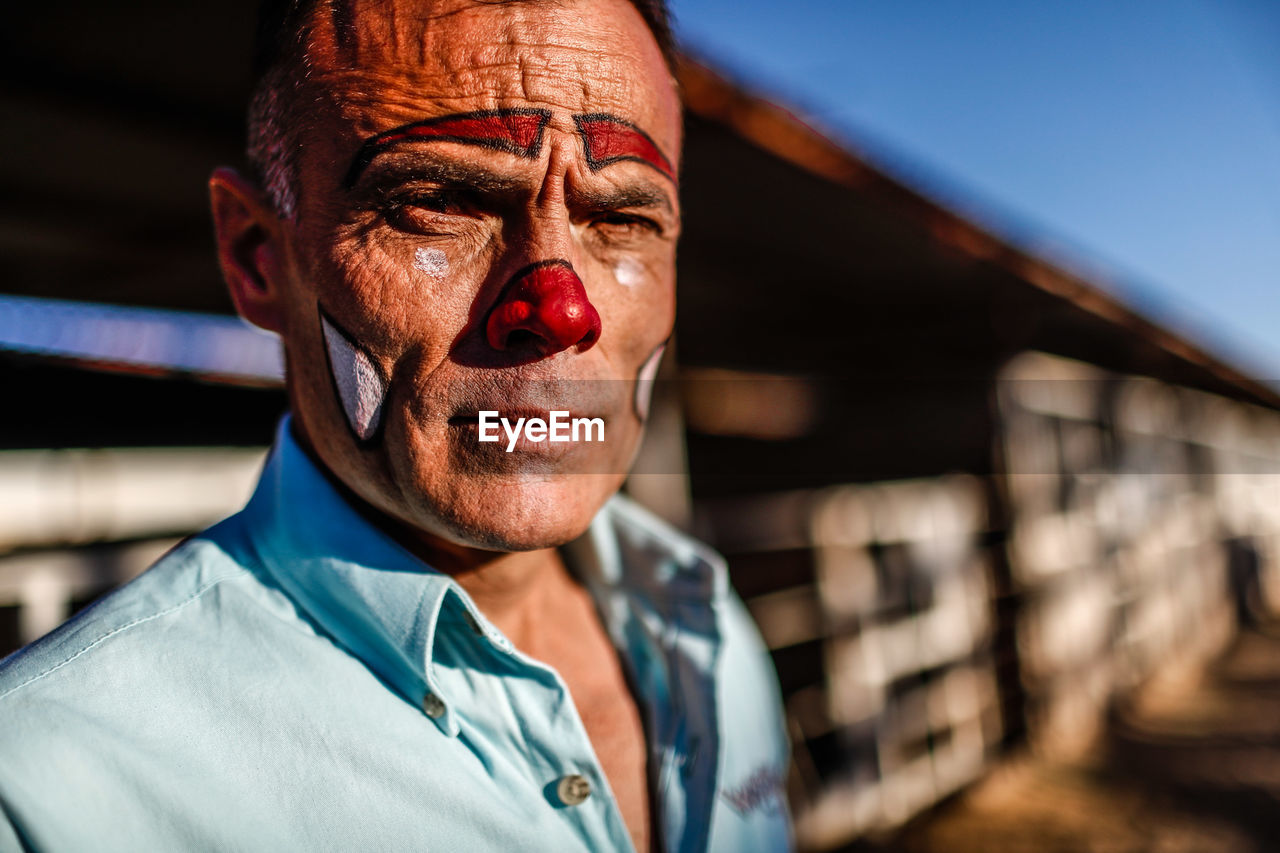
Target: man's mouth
{"points": [[546, 433], [516, 397]]}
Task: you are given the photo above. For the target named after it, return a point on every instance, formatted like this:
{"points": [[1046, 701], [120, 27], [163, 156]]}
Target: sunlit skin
{"points": [[490, 519]]}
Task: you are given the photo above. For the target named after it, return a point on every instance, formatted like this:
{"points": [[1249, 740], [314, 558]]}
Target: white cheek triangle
{"points": [[360, 385], [644, 382]]}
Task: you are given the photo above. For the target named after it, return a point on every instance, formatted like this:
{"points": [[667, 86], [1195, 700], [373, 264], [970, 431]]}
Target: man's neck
{"points": [[520, 593], [517, 591]]}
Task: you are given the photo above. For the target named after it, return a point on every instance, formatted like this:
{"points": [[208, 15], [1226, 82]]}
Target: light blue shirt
{"points": [[292, 679]]}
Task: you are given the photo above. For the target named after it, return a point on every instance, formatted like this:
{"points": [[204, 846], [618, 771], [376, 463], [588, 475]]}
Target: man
{"points": [[465, 212]]}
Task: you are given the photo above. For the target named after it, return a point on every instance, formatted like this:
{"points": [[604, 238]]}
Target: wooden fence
{"points": [[875, 601]]}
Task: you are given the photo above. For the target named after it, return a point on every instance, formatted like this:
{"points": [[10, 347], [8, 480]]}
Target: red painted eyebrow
{"points": [[608, 139], [518, 131]]}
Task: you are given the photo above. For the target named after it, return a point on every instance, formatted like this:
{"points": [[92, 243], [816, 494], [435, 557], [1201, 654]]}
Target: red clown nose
{"points": [[547, 302]]}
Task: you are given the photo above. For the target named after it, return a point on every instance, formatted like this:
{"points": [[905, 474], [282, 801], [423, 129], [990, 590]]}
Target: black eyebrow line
{"points": [[375, 145]]}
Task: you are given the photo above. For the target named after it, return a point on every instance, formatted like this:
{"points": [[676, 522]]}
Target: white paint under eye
{"points": [[629, 272], [360, 386], [644, 382], [433, 262]]}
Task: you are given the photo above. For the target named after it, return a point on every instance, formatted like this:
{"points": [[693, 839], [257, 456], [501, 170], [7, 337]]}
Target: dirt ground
{"points": [[1190, 766]]}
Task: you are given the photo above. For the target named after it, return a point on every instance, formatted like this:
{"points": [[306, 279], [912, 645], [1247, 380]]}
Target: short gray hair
{"points": [[279, 53], [271, 148]]}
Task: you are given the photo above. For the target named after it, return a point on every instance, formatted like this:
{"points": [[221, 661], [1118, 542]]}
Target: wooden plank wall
{"points": [[1134, 504], [875, 602], [76, 523]]}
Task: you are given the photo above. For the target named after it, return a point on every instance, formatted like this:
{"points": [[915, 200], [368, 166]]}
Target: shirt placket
{"points": [[559, 760], [671, 651]]}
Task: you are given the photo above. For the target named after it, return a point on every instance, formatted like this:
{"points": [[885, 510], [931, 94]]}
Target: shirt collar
{"points": [[628, 549], [384, 604]]}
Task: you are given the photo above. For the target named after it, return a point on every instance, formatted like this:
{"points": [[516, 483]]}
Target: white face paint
{"points": [[360, 385], [629, 272], [433, 262], [644, 382]]}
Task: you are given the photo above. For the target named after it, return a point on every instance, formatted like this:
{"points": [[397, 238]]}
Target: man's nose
{"points": [[546, 305]]}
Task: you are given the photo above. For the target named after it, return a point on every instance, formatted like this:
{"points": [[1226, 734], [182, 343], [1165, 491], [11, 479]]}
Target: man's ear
{"points": [[250, 253]]}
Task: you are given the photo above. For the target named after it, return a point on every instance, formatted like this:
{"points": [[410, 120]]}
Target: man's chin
{"points": [[526, 513]]}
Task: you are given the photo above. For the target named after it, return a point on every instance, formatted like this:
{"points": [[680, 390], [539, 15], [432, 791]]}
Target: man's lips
{"points": [[520, 400], [507, 433]]}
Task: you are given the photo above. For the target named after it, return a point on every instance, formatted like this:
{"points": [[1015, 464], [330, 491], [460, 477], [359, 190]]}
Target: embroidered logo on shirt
{"points": [[763, 789]]}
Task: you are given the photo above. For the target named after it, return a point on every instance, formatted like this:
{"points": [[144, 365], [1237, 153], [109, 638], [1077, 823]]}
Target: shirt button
{"points": [[573, 789], [433, 706]]}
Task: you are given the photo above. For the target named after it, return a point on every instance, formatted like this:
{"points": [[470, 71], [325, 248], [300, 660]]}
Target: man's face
{"points": [[486, 220]]}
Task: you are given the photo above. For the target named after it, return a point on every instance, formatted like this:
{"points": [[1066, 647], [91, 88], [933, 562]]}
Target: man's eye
{"points": [[625, 225], [422, 211], [433, 202]]}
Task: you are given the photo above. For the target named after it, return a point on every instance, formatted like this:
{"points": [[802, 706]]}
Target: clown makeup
{"points": [[544, 309], [470, 182], [517, 131], [644, 382], [359, 383], [433, 262], [628, 272], [607, 139]]}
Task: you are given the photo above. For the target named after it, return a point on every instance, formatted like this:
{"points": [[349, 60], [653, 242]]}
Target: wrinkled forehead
{"points": [[386, 62]]}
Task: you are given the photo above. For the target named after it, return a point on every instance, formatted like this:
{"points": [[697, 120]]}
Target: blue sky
{"points": [[1136, 142]]}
